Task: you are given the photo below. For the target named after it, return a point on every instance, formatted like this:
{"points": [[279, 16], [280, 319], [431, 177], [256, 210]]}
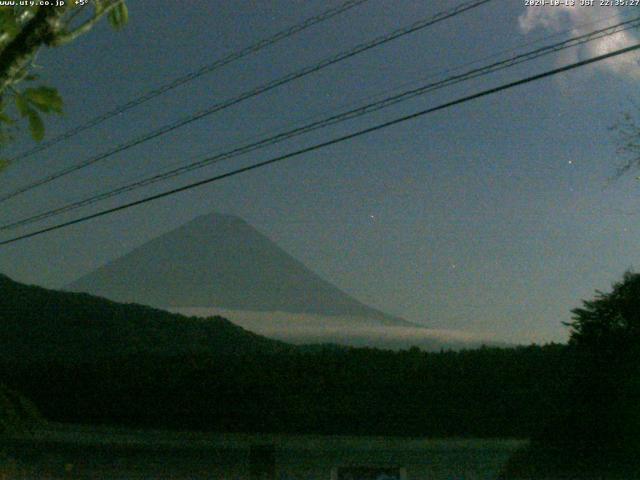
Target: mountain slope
{"points": [[41, 324], [221, 261]]}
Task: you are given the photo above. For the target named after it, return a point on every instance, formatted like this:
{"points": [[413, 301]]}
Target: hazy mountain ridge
{"points": [[221, 261], [42, 324]]}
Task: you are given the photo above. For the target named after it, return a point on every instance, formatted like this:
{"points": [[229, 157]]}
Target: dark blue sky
{"points": [[492, 217]]}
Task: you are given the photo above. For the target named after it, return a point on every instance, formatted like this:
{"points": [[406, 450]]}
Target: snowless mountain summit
{"points": [[221, 261]]}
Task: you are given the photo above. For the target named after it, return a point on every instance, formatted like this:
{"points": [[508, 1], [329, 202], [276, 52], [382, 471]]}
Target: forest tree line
{"points": [[489, 392]]}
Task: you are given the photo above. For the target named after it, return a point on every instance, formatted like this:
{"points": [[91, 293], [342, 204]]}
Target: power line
{"points": [[528, 56], [265, 42], [333, 141], [338, 118], [416, 26], [403, 85]]}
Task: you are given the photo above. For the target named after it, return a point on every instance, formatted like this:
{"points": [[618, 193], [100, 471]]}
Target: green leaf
{"points": [[36, 125], [119, 16], [6, 119], [23, 105], [8, 21], [4, 163], [45, 99]]}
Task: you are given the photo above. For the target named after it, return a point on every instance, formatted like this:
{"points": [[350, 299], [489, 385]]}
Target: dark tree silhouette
{"points": [[597, 432], [605, 334], [611, 320]]}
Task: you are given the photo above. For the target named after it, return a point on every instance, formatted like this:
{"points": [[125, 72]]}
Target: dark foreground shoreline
{"points": [[75, 452]]}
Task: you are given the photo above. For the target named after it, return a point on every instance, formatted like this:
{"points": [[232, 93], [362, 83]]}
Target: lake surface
{"points": [[88, 453]]}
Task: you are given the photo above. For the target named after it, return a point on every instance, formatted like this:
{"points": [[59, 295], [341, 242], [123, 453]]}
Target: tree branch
{"points": [[67, 37], [40, 30]]}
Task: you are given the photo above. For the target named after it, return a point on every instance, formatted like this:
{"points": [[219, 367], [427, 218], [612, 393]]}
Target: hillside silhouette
{"points": [[41, 324]]}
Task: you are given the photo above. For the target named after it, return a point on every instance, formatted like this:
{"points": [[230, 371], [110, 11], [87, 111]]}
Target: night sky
{"points": [[495, 217]]}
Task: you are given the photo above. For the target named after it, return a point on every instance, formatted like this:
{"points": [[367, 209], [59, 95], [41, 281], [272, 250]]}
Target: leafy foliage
{"points": [[119, 16], [612, 319], [17, 52], [33, 101], [13, 18]]}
